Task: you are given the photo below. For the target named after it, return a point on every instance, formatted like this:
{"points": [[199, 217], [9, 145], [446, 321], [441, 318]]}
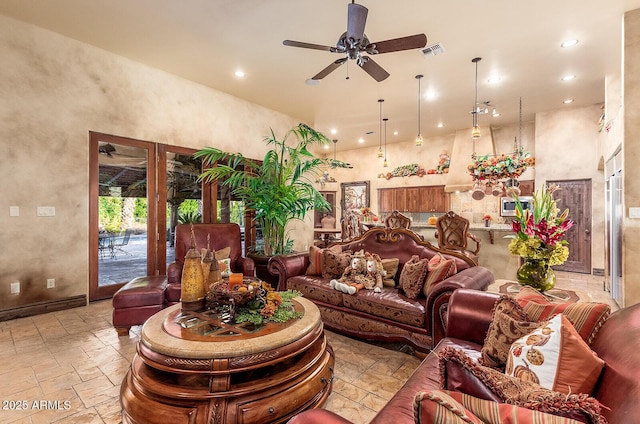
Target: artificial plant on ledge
{"points": [[280, 188]]}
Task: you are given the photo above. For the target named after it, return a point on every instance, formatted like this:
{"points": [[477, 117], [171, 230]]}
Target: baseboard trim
{"points": [[43, 307]]}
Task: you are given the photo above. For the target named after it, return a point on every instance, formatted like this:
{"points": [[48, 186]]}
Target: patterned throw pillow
{"points": [[443, 406], [316, 258], [224, 263], [579, 406], [391, 268], [556, 357], [586, 317], [508, 324], [439, 269], [334, 264], [413, 275]]}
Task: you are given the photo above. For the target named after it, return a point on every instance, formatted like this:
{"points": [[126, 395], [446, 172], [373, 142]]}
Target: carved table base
{"points": [[197, 369]]}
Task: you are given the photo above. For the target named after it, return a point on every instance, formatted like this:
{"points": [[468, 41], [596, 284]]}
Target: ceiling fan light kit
{"points": [[354, 44]]}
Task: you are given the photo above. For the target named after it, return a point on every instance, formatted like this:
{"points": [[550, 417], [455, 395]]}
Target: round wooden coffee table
{"points": [[196, 368]]}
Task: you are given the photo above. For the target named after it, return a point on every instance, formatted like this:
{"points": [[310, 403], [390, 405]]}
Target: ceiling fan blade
{"points": [[326, 71], [356, 20], [307, 45], [376, 71], [397, 44]]}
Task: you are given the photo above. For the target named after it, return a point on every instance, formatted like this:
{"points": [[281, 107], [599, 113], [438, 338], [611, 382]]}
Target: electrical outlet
{"points": [[15, 287], [51, 283]]}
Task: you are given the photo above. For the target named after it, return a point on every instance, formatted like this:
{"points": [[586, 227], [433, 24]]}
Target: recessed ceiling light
{"points": [[395, 133], [440, 125], [568, 77], [239, 73], [494, 80], [361, 140], [430, 95], [566, 102], [569, 43], [334, 131], [326, 147]]}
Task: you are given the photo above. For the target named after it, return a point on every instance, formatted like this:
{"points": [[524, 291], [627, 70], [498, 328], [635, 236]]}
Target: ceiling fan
{"points": [[354, 43]]}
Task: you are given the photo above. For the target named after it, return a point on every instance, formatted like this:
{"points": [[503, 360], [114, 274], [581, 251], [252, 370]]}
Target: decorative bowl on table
{"points": [[234, 295]]}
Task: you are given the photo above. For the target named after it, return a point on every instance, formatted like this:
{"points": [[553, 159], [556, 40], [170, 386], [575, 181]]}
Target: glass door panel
{"points": [[121, 213]]}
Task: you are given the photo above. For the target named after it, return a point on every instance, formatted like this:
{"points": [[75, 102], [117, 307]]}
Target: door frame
{"points": [[95, 291]]}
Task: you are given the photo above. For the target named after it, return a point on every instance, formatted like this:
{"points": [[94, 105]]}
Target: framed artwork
{"points": [[355, 195]]}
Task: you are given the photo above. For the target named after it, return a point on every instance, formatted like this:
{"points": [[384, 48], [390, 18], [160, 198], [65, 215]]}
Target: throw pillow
{"points": [[439, 269], [526, 394], [222, 253], [556, 357], [225, 267], [315, 258], [334, 263], [508, 324], [391, 268], [413, 275], [224, 262], [443, 406], [586, 317]]}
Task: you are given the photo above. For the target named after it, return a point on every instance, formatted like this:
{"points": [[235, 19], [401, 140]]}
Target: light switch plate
{"points": [[634, 212], [46, 211], [14, 211]]}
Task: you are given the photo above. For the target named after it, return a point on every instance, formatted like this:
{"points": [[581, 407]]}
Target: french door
{"points": [[139, 192]]}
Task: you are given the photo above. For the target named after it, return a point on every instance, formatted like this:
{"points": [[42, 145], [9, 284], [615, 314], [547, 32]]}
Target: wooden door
{"points": [[576, 195]]}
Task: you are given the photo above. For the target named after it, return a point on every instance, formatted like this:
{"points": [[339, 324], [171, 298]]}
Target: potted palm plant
{"points": [[280, 188]]}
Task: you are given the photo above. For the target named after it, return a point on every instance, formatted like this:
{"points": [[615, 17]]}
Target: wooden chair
{"points": [[397, 220], [452, 233]]}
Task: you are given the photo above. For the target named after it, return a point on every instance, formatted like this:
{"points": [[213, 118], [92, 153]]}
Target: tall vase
{"points": [[537, 274]]}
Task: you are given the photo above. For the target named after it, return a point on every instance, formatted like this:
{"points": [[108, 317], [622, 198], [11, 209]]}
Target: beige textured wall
{"points": [[55, 90], [566, 146], [631, 156]]}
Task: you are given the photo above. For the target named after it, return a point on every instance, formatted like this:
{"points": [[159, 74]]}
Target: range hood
{"points": [[458, 178]]}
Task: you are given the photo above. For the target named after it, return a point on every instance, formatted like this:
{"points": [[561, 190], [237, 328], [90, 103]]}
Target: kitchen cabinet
{"points": [[527, 187], [413, 199]]}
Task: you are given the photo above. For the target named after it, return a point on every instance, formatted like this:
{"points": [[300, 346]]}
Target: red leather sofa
{"points": [[390, 315], [617, 343]]}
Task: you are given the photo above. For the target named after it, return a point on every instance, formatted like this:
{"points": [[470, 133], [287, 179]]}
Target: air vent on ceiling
{"points": [[433, 50]]}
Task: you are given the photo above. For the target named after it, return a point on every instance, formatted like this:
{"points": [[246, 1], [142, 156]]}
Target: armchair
{"points": [[452, 233], [220, 237]]}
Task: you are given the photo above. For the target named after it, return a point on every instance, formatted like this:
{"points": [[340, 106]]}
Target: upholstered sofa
{"points": [[617, 389], [389, 315]]}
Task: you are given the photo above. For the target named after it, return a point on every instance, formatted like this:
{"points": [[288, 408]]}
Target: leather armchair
{"points": [[219, 236]]}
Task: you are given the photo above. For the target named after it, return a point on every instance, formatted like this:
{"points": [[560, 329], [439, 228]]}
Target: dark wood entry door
{"points": [[576, 195]]}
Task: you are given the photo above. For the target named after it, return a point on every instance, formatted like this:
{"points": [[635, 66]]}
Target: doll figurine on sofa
{"points": [[375, 273], [352, 278]]}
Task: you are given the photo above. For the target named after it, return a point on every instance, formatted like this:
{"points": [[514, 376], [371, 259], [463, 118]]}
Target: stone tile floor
{"points": [[67, 366]]}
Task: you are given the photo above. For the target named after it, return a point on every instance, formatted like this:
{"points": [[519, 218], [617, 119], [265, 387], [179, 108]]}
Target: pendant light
{"points": [[385, 142], [475, 132], [380, 155], [419, 136]]}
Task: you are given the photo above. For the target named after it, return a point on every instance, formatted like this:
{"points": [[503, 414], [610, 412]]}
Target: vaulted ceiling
{"points": [[207, 41]]}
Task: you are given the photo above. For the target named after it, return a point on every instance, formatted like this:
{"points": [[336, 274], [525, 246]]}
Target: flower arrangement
{"points": [[539, 231], [261, 303], [494, 168], [486, 217]]}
